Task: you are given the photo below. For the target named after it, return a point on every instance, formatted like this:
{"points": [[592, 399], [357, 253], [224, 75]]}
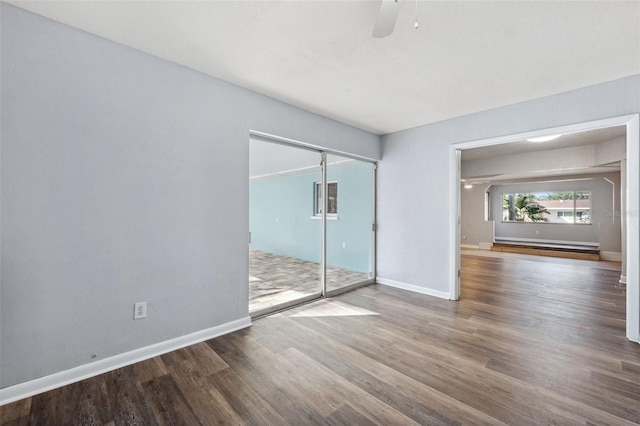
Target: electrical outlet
{"points": [[140, 310]]}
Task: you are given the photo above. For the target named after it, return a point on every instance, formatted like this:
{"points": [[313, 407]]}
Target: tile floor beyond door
{"points": [[275, 279]]}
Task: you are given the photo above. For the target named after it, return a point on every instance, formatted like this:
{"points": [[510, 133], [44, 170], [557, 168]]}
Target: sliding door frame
{"points": [[324, 292], [373, 252], [323, 238]]}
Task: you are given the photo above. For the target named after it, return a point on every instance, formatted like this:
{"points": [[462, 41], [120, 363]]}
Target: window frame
{"points": [[559, 213], [317, 200]]}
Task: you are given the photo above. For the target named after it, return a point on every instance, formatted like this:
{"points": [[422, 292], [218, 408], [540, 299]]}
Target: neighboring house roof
{"points": [[565, 204]]}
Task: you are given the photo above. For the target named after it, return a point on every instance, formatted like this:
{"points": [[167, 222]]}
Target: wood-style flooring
{"points": [[533, 341]]}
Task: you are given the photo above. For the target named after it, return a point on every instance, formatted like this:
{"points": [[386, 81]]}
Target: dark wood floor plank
{"points": [[16, 410], [347, 415], [250, 407], [208, 361], [258, 366], [126, 398], [49, 407], [208, 404], [20, 421], [150, 369], [168, 403], [630, 367], [90, 403], [624, 388], [329, 388]]}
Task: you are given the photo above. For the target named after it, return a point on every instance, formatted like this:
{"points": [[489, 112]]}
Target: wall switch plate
{"points": [[140, 310]]}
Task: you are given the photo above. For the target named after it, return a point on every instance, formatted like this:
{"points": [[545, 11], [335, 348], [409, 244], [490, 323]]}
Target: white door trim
{"points": [[632, 122]]}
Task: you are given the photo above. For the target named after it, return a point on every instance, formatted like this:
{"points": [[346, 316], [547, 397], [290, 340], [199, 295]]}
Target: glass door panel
{"points": [[350, 218], [286, 231]]}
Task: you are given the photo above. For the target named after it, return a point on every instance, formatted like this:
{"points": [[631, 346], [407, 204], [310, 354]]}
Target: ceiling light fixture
{"points": [[544, 138]]}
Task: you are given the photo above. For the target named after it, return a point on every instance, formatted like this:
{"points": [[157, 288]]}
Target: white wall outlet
{"points": [[140, 310]]}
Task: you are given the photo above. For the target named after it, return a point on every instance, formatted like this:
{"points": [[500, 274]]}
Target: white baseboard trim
{"points": [[479, 246], [413, 288], [469, 246], [536, 240], [485, 246], [614, 256], [62, 378]]}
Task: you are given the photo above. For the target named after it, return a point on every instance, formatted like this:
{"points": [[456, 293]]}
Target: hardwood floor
{"points": [[532, 341]]}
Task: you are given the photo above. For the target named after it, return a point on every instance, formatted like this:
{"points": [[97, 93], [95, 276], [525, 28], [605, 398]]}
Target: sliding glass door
{"points": [[350, 219], [285, 234], [311, 225]]}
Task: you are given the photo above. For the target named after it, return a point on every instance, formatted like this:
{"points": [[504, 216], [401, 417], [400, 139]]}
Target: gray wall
{"points": [[473, 228], [413, 176], [124, 179], [606, 229], [603, 195]]}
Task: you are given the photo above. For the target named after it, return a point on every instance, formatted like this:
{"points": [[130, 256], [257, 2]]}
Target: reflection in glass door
{"points": [[285, 231], [350, 219], [311, 225]]}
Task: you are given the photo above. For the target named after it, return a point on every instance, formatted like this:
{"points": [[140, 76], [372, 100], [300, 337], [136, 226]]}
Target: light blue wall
{"points": [[281, 208]]}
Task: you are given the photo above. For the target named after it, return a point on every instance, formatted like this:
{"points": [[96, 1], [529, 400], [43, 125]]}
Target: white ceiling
{"points": [[590, 137], [320, 55], [508, 153], [546, 174]]}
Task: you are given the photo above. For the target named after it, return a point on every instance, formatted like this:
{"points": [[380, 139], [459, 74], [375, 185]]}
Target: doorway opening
{"points": [[305, 245], [629, 202]]}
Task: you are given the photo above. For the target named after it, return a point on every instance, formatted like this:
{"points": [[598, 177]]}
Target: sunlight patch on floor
{"points": [[331, 308]]}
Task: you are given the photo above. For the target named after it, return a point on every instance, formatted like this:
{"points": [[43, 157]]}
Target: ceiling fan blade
{"points": [[386, 18]]}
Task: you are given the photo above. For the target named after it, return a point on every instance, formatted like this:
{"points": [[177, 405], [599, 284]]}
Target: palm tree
{"points": [[527, 207]]}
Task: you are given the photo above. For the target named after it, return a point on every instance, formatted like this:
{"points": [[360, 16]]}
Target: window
{"points": [[561, 213], [567, 207], [332, 200]]}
